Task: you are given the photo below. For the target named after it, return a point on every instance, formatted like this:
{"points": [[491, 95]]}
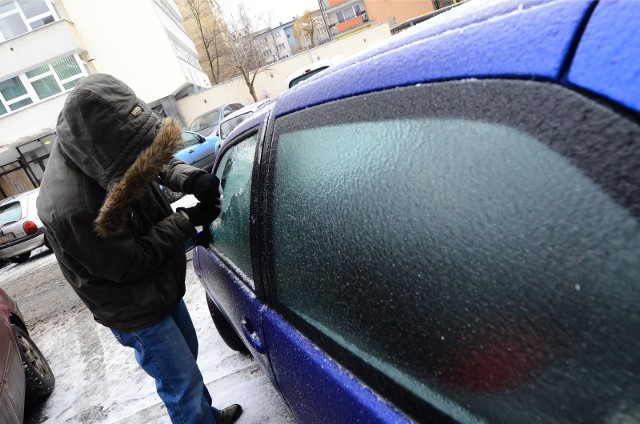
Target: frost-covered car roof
{"points": [[476, 40]]}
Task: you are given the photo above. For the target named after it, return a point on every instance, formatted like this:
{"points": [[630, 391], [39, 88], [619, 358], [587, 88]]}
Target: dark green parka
{"points": [[117, 240]]}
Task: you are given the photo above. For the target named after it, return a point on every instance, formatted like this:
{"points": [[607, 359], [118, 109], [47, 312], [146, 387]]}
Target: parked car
{"points": [[234, 119], [27, 378], [199, 151], [207, 123], [21, 230], [446, 227], [311, 69]]}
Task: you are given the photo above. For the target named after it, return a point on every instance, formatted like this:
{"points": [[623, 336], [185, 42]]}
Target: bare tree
{"points": [[246, 55], [211, 33]]}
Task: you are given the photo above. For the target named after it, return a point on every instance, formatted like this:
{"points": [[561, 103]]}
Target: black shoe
{"points": [[230, 414]]}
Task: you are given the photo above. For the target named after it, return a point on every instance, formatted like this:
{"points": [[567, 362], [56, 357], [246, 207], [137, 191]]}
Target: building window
{"points": [[351, 12], [11, 23], [14, 93], [40, 83], [20, 16]]}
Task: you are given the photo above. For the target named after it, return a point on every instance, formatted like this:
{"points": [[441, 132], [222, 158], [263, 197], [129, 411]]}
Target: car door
{"points": [[198, 150], [12, 384], [225, 267], [462, 259]]}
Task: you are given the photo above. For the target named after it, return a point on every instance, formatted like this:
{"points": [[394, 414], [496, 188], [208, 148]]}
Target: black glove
{"points": [[206, 187], [202, 213], [203, 238]]}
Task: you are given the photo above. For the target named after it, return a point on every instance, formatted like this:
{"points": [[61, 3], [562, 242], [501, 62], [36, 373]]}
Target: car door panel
{"points": [[203, 154], [12, 380], [441, 268], [227, 290], [336, 396]]}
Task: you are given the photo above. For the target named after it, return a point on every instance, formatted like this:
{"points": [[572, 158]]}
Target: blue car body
{"points": [[524, 366], [199, 151]]}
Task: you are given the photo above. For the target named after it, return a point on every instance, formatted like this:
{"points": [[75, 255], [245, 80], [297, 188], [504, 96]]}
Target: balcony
{"points": [[327, 5], [26, 51], [351, 23]]}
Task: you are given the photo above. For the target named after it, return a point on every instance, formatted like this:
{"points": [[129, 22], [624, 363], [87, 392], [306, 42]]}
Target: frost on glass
{"points": [[465, 259], [230, 230]]}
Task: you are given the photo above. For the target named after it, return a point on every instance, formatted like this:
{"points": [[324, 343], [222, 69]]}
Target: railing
{"points": [[350, 23]]}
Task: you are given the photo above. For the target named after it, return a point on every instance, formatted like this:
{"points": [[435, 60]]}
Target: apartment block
{"points": [[47, 46], [273, 43], [345, 16]]}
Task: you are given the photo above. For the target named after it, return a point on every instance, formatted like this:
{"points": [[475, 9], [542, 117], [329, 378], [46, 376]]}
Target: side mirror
{"points": [[201, 139]]}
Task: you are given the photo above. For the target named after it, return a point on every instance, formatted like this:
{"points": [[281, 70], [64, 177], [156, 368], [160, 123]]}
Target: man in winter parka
{"points": [[117, 240]]}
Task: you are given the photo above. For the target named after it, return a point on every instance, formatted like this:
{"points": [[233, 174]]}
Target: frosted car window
{"points": [[231, 229], [455, 257], [10, 213]]}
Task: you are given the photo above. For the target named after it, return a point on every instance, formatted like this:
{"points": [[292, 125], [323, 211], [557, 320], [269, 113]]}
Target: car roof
{"points": [[19, 196], [249, 108], [323, 63], [529, 39], [251, 122]]}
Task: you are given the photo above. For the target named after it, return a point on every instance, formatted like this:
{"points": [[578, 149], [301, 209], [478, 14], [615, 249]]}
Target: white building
{"points": [[46, 46], [273, 43]]}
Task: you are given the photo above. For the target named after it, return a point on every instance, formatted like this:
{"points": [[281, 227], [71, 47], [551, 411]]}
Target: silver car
{"points": [[21, 230]]}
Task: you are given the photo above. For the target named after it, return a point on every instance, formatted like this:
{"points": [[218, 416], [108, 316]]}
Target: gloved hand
{"points": [[206, 187], [202, 213], [203, 238]]}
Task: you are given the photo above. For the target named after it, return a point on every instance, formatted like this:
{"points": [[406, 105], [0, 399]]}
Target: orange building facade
{"points": [[396, 11], [345, 16]]}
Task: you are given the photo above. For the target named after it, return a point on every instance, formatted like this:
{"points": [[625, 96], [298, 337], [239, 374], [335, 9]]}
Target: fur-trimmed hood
{"points": [[115, 138]]}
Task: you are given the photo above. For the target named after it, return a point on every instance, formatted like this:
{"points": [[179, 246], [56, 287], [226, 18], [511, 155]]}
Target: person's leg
{"points": [[183, 320], [181, 316], [163, 352]]}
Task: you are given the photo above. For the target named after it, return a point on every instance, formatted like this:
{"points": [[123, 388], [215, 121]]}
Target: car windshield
{"points": [[10, 213], [205, 121], [230, 124], [308, 75]]}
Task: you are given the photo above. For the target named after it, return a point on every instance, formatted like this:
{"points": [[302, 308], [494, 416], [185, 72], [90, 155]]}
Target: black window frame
{"points": [[242, 276], [255, 213]]}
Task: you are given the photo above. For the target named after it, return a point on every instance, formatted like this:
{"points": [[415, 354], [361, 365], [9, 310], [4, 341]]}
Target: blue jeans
{"points": [[167, 351]]}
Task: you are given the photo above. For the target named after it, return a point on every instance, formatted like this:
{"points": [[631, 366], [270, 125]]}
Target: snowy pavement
{"points": [[99, 381]]}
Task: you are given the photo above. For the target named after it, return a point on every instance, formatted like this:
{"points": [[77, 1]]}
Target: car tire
{"points": [[38, 376], [20, 258], [229, 336]]}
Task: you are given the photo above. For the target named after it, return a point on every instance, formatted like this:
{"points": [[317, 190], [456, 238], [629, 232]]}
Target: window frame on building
{"points": [[29, 23], [32, 94]]}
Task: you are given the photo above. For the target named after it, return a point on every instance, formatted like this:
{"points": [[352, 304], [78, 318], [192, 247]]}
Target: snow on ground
{"points": [[99, 381]]}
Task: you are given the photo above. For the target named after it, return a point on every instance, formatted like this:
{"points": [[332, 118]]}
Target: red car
{"points": [[25, 376]]}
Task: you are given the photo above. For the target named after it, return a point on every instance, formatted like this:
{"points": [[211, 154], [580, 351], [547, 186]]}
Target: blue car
{"points": [[446, 227], [199, 151]]}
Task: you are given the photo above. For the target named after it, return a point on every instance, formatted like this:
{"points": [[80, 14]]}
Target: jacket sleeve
{"points": [[176, 173], [125, 257]]}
